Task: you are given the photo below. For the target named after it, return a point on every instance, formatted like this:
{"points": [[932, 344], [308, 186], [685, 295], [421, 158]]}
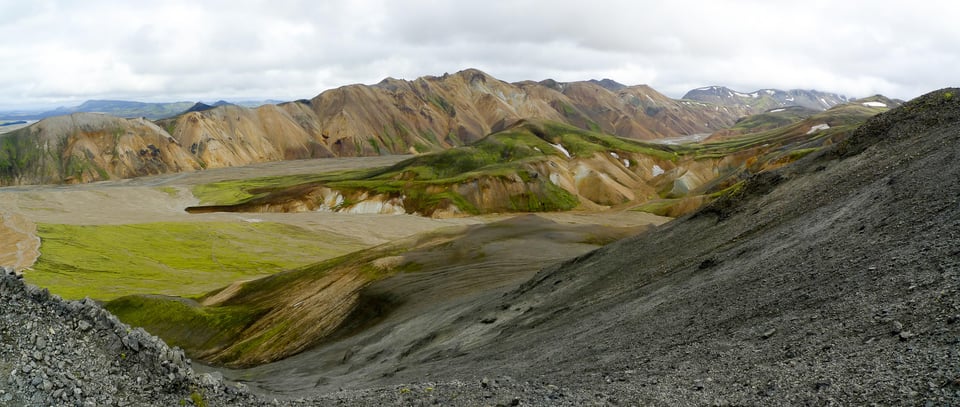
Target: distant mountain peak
{"points": [[766, 99], [608, 84]]}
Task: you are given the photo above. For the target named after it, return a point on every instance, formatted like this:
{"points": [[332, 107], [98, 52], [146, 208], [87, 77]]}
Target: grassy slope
{"points": [[216, 332], [108, 261], [772, 120], [425, 180]]}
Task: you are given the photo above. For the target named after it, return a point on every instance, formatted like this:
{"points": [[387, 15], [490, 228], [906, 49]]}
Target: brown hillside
{"points": [[87, 147], [394, 116]]}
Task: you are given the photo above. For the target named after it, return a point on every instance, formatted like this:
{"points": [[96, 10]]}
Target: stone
{"points": [[211, 379], [131, 342], [769, 333]]}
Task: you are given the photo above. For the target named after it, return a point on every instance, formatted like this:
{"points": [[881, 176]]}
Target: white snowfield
{"points": [[874, 104], [559, 147], [816, 128]]}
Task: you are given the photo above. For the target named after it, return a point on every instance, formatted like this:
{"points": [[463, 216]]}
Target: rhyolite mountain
{"points": [[431, 113], [85, 147]]}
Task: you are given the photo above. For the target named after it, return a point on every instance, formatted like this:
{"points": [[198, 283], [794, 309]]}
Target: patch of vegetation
{"points": [[376, 146], [19, 155], [197, 399], [675, 207], [238, 191], [842, 119], [109, 261], [183, 322], [772, 120], [660, 207], [585, 143], [444, 105]]}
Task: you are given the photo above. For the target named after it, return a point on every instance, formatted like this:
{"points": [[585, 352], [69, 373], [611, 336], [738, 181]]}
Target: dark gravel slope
{"points": [[833, 281]]}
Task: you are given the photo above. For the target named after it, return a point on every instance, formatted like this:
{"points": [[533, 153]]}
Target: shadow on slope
{"points": [[259, 321]]}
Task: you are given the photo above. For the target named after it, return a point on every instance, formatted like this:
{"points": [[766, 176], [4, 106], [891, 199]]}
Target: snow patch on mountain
{"points": [[656, 170], [560, 148], [816, 128]]}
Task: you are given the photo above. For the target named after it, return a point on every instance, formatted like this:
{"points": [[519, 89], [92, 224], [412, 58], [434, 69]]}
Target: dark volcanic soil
{"points": [[836, 280]]}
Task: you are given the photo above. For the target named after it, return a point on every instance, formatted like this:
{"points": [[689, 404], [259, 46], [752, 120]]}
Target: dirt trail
{"points": [[19, 244]]}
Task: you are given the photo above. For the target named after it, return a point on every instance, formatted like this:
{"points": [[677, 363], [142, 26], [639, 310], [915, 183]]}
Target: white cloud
{"points": [[60, 51]]}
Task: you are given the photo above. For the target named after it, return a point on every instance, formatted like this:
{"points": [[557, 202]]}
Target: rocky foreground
{"points": [[64, 353]]}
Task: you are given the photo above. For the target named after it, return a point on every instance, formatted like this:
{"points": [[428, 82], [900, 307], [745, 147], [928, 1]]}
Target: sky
{"points": [[62, 52]]}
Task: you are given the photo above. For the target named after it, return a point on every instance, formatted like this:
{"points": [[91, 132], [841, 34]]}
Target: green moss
{"points": [[801, 152], [659, 207], [547, 198], [261, 343], [20, 156], [376, 146], [182, 322], [109, 261], [442, 103], [239, 191], [197, 399], [420, 200], [421, 148]]}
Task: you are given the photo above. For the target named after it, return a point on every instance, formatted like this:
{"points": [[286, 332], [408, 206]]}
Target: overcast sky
{"points": [[61, 52]]}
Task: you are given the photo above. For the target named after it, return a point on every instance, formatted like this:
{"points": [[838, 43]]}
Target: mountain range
{"points": [[121, 108], [766, 99], [391, 117]]}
